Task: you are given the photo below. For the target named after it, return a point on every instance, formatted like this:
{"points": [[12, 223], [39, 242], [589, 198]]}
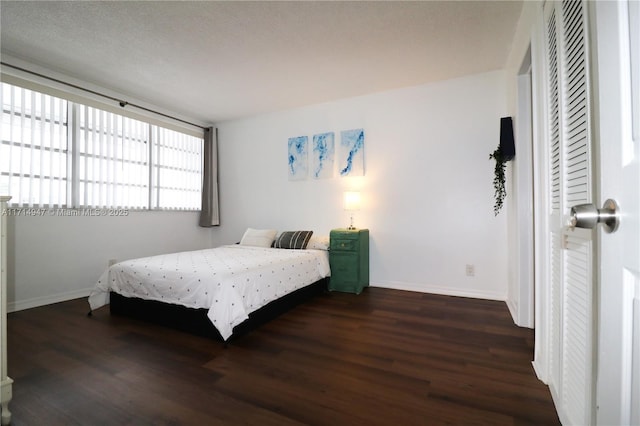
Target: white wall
{"points": [[60, 258], [520, 292], [427, 198], [427, 192]]}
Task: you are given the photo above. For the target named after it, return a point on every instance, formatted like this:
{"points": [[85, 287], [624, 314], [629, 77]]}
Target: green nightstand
{"points": [[349, 260]]}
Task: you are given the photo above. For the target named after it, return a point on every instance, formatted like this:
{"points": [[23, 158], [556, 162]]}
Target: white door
{"points": [[568, 161], [617, 107]]}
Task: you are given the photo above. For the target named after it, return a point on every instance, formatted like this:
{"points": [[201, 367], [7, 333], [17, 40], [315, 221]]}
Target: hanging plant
{"points": [[500, 192]]}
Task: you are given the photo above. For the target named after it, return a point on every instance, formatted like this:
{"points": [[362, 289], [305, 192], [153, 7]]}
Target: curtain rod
{"points": [[121, 102]]}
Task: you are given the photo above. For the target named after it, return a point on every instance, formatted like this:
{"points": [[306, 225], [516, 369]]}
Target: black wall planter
{"points": [[507, 144], [506, 151]]}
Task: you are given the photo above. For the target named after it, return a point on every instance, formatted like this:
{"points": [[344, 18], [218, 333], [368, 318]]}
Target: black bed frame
{"points": [[195, 321]]}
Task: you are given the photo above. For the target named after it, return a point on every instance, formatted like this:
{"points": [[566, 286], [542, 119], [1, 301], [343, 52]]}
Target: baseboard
{"points": [[539, 373], [48, 300], [557, 402], [513, 310], [446, 291], [396, 285]]}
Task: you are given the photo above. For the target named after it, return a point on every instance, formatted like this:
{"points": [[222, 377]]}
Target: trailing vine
{"points": [[500, 192]]}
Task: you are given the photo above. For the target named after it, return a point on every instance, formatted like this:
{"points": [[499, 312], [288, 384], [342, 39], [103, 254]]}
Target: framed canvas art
{"points": [[323, 154], [298, 158], [351, 153]]}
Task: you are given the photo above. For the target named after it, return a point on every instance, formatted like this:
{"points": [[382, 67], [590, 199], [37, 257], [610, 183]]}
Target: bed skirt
{"points": [[195, 321]]}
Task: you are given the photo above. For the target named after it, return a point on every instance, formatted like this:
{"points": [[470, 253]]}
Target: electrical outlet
{"points": [[471, 270]]}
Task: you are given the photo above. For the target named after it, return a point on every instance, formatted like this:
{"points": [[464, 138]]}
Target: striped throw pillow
{"points": [[293, 240]]}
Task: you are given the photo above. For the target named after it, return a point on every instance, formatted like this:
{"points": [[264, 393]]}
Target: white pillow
{"points": [[318, 242], [258, 237]]}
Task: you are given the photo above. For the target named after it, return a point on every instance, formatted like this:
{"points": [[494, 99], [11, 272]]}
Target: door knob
{"points": [[588, 216]]}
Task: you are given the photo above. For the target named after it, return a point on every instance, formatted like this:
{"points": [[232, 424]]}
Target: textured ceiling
{"points": [[214, 61]]}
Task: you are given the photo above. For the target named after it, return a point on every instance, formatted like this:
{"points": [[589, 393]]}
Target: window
{"points": [[60, 153], [177, 170], [33, 151], [113, 160]]}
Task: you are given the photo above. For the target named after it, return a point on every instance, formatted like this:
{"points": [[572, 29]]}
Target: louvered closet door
{"points": [[569, 180]]}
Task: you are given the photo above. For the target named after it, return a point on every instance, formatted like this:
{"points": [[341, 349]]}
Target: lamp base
{"points": [[351, 227]]}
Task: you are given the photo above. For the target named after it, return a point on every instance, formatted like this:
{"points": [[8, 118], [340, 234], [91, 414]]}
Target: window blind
{"points": [[56, 153], [177, 174], [112, 160], [79, 96], [34, 150]]}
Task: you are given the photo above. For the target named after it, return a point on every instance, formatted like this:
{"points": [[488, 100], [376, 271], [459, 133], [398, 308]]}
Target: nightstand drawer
{"points": [[345, 235], [344, 266], [342, 244]]}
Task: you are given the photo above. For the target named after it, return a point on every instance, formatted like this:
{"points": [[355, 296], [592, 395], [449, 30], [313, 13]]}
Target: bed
{"points": [[228, 284]]}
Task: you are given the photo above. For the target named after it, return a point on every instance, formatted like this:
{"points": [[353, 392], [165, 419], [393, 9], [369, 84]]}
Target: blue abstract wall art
{"points": [[298, 158], [351, 153], [323, 155]]}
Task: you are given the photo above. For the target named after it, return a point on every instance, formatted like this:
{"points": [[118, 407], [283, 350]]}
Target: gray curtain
{"points": [[210, 214]]}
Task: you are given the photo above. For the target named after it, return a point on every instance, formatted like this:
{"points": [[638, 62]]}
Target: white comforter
{"points": [[230, 281]]}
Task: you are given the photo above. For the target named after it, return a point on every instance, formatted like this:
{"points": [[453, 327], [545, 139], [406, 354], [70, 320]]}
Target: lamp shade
{"points": [[351, 200]]}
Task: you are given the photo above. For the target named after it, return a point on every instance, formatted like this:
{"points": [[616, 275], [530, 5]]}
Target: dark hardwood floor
{"points": [[383, 357]]}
